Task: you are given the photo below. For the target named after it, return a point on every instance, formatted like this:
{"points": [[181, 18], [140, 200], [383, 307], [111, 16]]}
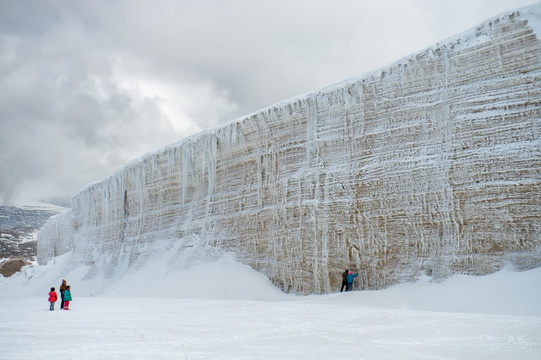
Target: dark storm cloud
{"points": [[15, 17], [86, 86]]}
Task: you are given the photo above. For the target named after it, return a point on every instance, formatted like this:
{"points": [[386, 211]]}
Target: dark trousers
{"points": [[61, 302], [344, 284]]}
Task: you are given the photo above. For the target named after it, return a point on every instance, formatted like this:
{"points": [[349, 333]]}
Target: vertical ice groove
{"points": [[187, 163], [311, 129], [211, 163]]}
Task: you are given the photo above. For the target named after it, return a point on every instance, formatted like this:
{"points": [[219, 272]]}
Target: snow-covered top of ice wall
{"points": [[427, 166], [471, 37]]}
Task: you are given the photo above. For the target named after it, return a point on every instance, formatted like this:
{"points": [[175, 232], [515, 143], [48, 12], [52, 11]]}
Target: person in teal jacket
{"points": [[67, 297], [350, 277]]}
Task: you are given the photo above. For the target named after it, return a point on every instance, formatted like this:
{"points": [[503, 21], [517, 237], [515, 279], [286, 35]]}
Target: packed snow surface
{"points": [[225, 310]]}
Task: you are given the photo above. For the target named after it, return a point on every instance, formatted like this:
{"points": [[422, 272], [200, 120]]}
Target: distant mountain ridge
{"points": [[18, 217]]}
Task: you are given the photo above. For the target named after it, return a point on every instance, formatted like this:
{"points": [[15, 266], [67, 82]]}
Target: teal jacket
{"points": [[350, 278], [67, 295]]}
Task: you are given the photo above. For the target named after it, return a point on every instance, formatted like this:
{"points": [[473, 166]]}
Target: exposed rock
{"points": [[12, 266], [429, 166]]}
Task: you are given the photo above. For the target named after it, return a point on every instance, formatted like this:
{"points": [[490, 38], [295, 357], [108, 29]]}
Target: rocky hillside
{"points": [[18, 229], [428, 166]]}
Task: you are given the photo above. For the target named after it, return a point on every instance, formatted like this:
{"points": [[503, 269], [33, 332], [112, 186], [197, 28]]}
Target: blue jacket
{"points": [[350, 277], [67, 295]]}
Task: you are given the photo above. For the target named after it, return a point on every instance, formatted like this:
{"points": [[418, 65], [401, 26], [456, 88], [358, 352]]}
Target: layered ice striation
{"points": [[431, 165]]}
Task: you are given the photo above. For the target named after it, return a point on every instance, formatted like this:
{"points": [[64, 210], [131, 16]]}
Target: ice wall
{"points": [[429, 166]]}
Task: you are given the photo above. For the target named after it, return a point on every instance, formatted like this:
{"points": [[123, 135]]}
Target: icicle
{"points": [[311, 129]]}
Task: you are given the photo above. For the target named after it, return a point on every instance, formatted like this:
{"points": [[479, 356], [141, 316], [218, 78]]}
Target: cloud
{"points": [[86, 86]]}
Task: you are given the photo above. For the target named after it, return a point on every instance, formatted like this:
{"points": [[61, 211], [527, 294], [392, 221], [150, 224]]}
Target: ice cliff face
{"points": [[429, 166]]}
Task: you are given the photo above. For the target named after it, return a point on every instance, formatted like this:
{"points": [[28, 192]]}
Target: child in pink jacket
{"points": [[52, 298]]}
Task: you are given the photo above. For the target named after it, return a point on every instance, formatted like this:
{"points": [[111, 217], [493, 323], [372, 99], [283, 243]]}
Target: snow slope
{"points": [[225, 310]]}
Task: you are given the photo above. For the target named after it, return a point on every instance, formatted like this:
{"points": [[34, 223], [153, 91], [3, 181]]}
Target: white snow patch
{"points": [[224, 278], [506, 292]]}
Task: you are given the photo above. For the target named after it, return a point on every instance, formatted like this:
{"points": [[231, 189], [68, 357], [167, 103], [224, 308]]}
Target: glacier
{"points": [[428, 166]]}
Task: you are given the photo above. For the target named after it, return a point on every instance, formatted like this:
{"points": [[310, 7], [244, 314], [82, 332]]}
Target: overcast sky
{"points": [[86, 86]]}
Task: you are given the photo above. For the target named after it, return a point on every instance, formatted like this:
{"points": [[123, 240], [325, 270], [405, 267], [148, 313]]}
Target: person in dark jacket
{"points": [[344, 280], [350, 277], [62, 289]]}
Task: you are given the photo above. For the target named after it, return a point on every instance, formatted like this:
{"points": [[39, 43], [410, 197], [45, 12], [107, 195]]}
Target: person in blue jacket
{"points": [[67, 297], [350, 277]]}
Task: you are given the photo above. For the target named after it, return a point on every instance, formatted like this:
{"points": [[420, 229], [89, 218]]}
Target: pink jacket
{"points": [[52, 296]]}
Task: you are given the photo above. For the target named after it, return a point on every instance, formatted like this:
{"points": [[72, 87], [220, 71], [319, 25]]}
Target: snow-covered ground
{"points": [[226, 310]]}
